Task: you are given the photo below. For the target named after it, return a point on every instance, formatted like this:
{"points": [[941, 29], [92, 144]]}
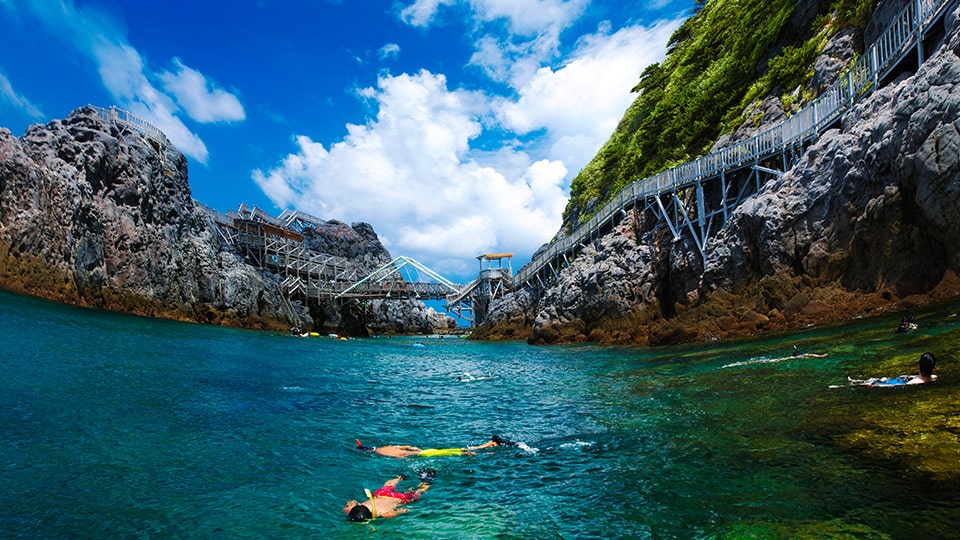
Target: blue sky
{"points": [[454, 127]]}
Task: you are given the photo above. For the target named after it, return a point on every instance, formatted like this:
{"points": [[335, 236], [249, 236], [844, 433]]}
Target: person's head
{"points": [[500, 441], [927, 363], [363, 448], [359, 512]]}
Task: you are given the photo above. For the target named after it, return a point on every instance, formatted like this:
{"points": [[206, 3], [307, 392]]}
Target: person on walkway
{"points": [[402, 450], [386, 501]]}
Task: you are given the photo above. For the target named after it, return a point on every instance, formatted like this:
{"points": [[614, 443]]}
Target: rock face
{"points": [[95, 216], [868, 220]]}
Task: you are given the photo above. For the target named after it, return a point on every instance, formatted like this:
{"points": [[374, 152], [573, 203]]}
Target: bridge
{"points": [[693, 200], [277, 244]]}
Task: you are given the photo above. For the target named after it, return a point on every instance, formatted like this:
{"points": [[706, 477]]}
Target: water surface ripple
{"points": [[123, 427]]}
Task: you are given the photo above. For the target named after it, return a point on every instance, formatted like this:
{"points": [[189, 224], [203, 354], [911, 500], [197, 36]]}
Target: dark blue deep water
{"points": [[123, 427]]}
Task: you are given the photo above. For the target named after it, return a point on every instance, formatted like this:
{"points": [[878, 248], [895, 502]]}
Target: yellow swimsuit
{"points": [[440, 452]]}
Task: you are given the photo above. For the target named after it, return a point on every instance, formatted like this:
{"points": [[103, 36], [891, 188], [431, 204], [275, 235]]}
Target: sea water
{"points": [[116, 426]]}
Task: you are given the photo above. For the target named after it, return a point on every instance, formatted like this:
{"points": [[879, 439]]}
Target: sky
{"points": [[453, 127]]}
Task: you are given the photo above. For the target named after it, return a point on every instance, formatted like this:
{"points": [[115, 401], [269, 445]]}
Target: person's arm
{"points": [[488, 444], [394, 481]]}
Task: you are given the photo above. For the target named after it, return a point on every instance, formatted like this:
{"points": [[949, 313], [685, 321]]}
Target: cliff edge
{"points": [[94, 214], [865, 222]]}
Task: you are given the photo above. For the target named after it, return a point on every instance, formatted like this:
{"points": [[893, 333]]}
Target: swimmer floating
{"points": [[385, 502], [403, 451], [925, 374]]}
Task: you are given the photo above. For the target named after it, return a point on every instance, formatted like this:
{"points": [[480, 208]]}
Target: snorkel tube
{"points": [[373, 505]]}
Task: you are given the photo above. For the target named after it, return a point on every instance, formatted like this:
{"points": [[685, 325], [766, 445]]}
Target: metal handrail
{"points": [[126, 118], [892, 45]]}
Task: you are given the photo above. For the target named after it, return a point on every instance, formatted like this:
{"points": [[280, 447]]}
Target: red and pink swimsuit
{"points": [[390, 491]]}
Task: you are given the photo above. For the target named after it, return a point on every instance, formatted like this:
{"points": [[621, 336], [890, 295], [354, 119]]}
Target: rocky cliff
{"points": [[96, 215], [866, 222]]}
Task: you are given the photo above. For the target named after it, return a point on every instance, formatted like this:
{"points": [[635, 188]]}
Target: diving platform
{"points": [[494, 280]]}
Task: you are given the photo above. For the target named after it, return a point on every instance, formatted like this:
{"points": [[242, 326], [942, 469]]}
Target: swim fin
{"points": [[363, 448]]}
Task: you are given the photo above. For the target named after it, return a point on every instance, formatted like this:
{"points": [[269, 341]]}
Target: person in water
{"points": [[402, 450], [386, 501], [907, 324], [797, 353], [925, 374]]}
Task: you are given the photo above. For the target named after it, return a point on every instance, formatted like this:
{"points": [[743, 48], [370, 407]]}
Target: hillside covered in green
{"points": [[729, 54]]}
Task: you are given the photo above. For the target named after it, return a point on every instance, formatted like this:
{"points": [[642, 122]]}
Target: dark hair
{"points": [[927, 362], [501, 441], [359, 513]]}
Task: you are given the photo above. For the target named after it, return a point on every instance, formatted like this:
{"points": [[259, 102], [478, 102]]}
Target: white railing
{"points": [[134, 122], [892, 45]]}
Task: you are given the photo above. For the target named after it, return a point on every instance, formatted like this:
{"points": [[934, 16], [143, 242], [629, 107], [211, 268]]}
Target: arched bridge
{"points": [[276, 244]]}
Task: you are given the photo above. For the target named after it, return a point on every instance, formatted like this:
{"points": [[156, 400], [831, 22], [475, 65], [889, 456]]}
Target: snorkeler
{"points": [[385, 501], [907, 324], [797, 353], [925, 374], [402, 451]]}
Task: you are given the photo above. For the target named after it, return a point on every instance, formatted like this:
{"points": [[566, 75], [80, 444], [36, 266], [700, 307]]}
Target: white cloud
{"points": [[512, 37], [128, 78], [422, 12], [530, 17], [123, 73], [202, 100], [417, 172], [527, 17], [11, 96], [410, 173], [580, 103], [390, 50], [514, 60]]}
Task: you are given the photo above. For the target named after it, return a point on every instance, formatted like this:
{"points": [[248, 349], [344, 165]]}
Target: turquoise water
{"points": [[123, 427]]}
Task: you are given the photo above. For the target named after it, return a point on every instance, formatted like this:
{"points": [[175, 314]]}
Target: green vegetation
{"points": [[728, 55]]}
